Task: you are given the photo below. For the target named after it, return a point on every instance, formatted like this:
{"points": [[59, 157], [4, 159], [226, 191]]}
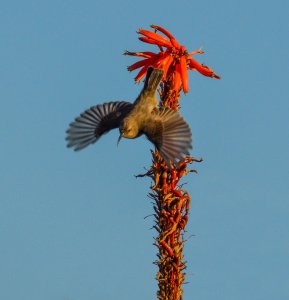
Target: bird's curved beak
{"points": [[119, 138]]}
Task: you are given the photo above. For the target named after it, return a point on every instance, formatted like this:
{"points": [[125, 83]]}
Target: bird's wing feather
{"points": [[94, 122], [170, 133]]}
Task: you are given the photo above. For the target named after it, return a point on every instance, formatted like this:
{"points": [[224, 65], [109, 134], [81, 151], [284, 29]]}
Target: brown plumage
{"points": [[164, 127]]}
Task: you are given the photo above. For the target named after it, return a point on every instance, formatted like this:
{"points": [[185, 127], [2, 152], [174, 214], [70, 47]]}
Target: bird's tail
{"points": [[153, 79]]}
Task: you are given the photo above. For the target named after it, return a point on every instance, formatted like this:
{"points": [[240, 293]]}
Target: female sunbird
{"points": [[164, 127]]}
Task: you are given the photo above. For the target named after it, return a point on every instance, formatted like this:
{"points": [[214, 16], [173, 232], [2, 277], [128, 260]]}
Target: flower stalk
{"points": [[171, 202]]}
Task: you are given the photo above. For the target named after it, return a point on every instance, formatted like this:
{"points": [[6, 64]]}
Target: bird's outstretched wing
{"points": [[170, 133], [94, 122]]}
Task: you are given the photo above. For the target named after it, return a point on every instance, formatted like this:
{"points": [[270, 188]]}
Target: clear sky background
{"points": [[72, 224]]}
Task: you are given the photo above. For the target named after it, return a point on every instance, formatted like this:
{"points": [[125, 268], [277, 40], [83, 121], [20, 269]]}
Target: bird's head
{"points": [[129, 129]]}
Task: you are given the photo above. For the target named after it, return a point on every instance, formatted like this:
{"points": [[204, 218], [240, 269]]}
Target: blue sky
{"points": [[72, 224]]}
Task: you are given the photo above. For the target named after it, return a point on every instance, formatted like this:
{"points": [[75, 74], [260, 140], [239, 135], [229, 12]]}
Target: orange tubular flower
{"points": [[175, 60]]}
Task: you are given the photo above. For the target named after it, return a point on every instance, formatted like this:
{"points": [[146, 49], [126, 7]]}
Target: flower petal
{"points": [[177, 78], [154, 36], [145, 54], [205, 70], [151, 41], [174, 42], [139, 64], [184, 73], [166, 63], [141, 73]]}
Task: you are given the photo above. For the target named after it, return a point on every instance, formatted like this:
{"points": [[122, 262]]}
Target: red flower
{"points": [[175, 60]]}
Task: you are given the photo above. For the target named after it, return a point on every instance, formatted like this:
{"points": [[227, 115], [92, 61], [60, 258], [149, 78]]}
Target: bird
{"points": [[162, 126]]}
